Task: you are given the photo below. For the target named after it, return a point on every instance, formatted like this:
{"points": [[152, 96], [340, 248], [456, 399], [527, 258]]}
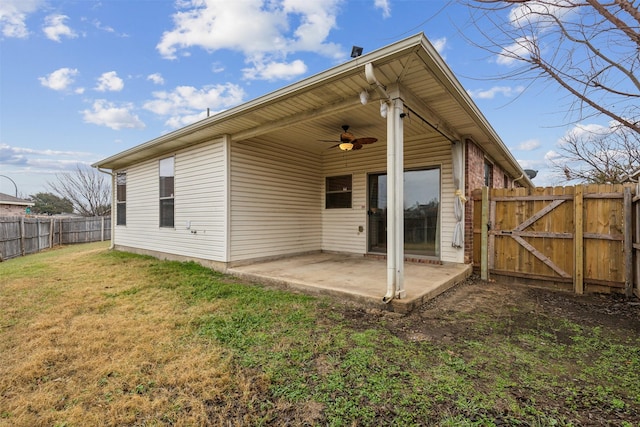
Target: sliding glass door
{"points": [[421, 212]]}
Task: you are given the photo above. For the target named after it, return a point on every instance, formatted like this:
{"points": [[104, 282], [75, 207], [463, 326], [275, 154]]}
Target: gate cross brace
{"points": [[542, 212], [540, 256]]}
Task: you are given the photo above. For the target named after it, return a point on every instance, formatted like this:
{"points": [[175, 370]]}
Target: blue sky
{"points": [[83, 80]]}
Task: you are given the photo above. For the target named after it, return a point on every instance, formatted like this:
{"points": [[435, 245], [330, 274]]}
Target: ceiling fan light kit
{"points": [[349, 142]]}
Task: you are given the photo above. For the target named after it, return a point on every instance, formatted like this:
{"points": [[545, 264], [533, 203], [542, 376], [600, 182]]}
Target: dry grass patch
{"points": [[109, 350]]}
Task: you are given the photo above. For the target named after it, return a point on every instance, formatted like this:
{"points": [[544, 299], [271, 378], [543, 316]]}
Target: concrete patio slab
{"points": [[354, 278]]}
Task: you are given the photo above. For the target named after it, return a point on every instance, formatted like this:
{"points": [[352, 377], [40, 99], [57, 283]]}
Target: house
{"points": [[280, 175], [14, 206]]}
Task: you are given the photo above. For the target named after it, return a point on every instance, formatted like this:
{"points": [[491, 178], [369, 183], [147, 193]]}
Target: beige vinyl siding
{"points": [[200, 187], [142, 206], [340, 227], [275, 200]]}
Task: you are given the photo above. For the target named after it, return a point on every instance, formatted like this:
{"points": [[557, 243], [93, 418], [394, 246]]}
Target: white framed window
{"points": [[121, 198], [167, 192]]}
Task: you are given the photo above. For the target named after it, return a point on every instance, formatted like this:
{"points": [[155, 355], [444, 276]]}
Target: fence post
{"points": [[628, 244], [102, 229], [484, 236], [578, 239], [22, 246], [636, 243]]}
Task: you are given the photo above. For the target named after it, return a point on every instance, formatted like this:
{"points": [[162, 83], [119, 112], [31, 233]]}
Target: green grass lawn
{"points": [[90, 336]]}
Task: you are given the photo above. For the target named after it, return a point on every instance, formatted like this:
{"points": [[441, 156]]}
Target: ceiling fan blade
{"points": [[360, 141]]}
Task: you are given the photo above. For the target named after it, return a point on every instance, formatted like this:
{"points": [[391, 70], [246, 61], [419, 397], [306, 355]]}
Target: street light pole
{"points": [[14, 183]]}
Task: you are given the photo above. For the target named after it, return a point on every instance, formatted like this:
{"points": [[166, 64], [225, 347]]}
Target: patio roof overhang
{"points": [[316, 107]]}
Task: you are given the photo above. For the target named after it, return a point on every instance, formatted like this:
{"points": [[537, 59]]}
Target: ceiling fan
{"points": [[349, 142]]}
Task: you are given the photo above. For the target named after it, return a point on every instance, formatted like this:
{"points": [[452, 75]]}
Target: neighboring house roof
{"points": [[6, 199], [313, 109]]}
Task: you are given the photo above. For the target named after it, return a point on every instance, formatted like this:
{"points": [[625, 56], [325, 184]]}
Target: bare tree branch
{"points": [[619, 23], [580, 95], [86, 188], [590, 48], [602, 156]]}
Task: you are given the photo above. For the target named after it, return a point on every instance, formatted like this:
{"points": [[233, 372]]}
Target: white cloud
{"points": [[584, 130], [521, 48], [275, 70], [16, 155], [55, 27], [529, 145], [384, 6], [542, 15], [13, 16], [533, 164], [491, 93], [99, 25], [552, 155], [156, 78], [261, 29], [60, 79], [185, 104], [103, 27], [175, 122], [439, 44], [104, 113], [217, 67], [109, 81], [239, 25], [534, 18], [48, 160]]}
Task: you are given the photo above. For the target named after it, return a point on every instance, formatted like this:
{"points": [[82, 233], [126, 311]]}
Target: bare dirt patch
{"points": [[452, 319], [451, 314]]}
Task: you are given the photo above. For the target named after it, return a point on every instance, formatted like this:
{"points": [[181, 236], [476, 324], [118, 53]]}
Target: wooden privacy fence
{"points": [[584, 238], [21, 236]]}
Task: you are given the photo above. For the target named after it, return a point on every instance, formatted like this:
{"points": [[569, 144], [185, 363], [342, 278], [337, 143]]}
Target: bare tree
{"points": [[589, 48], [599, 155], [88, 189]]}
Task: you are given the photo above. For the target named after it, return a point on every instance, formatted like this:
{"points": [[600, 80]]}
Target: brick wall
{"points": [[12, 210], [474, 175], [499, 178]]}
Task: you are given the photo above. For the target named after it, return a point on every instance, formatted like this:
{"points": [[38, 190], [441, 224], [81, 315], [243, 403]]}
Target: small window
{"points": [[488, 174], [338, 190], [166, 192], [121, 198]]}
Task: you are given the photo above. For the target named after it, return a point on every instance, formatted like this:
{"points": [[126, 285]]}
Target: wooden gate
{"points": [[573, 238]]}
